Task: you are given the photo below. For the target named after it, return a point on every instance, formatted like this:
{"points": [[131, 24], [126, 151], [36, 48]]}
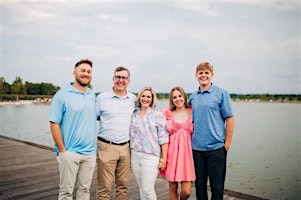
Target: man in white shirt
{"points": [[114, 108]]}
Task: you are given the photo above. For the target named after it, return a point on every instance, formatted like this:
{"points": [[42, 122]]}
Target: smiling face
{"points": [[121, 81], [178, 99], [83, 74], [204, 77], [146, 99]]}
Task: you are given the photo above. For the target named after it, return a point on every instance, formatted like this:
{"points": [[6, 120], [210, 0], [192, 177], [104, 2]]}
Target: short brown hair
{"points": [[120, 68], [84, 61], [204, 66]]}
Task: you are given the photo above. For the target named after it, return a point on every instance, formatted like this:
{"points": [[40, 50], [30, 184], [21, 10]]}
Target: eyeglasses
{"points": [[121, 77]]}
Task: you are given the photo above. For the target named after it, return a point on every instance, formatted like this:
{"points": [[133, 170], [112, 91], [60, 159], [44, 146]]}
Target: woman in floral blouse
{"points": [[149, 143]]}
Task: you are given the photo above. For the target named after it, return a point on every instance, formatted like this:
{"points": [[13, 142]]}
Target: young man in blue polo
{"points": [[213, 129], [73, 127]]}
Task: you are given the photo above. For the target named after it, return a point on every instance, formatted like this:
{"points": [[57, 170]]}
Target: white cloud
{"points": [[281, 4], [202, 7], [161, 42]]}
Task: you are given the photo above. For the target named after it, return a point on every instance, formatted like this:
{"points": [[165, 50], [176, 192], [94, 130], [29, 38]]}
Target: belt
{"points": [[108, 142]]}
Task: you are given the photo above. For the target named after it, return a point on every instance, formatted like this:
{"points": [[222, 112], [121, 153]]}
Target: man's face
{"points": [[121, 80], [204, 77], [83, 74]]}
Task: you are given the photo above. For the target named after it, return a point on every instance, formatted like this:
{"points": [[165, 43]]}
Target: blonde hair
{"points": [[181, 90], [204, 66], [154, 97]]}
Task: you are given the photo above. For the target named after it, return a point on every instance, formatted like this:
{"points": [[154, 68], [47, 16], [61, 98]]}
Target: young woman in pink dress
{"points": [[180, 167]]}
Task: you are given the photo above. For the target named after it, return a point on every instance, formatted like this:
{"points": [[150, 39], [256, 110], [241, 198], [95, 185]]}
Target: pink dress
{"points": [[180, 165]]}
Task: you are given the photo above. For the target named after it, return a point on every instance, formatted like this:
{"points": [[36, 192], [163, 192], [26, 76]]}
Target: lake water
{"points": [[264, 160]]}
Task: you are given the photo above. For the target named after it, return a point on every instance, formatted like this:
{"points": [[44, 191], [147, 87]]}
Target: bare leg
{"points": [[173, 190], [185, 190]]}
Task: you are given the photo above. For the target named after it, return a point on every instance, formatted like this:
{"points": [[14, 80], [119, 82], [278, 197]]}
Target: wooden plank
{"points": [[29, 171]]}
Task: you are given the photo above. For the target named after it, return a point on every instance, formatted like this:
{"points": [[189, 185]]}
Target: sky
{"points": [[254, 45]]}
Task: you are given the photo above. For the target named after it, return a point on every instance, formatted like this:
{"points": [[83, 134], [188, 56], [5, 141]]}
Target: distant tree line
{"points": [[253, 97], [267, 97], [30, 91], [25, 91]]}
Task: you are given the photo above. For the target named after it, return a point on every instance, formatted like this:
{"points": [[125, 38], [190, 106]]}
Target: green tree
{"points": [[4, 86], [48, 89], [41, 88], [32, 88], [18, 87]]}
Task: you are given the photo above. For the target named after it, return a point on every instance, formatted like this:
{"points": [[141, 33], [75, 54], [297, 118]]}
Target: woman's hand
{"points": [[162, 164]]}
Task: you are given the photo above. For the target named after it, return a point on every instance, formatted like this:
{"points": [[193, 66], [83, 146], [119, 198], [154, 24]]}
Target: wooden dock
{"points": [[29, 171]]}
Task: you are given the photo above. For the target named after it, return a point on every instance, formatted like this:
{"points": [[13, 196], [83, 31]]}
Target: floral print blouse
{"points": [[149, 132]]}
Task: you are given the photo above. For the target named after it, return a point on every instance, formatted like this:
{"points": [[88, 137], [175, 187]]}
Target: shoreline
{"points": [[34, 102], [23, 102]]}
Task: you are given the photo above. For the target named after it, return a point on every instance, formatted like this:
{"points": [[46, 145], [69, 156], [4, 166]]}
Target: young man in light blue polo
{"points": [[213, 129], [73, 127]]}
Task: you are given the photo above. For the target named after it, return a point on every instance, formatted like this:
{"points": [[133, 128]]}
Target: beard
{"points": [[82, 83]]}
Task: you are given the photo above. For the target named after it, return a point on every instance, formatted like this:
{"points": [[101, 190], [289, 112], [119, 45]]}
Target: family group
{"points": [[185, 143]]}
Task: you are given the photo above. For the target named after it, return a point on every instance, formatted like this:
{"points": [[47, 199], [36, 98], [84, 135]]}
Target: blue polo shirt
{"points": [[209, 110], [115, 115], [75, 112]]}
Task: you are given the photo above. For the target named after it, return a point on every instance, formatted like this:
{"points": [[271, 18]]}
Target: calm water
{"points": [[264, 160]]}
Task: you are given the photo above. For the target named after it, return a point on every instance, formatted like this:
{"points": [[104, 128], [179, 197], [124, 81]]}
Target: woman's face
{"points": [[146, 99], [178, 99]]}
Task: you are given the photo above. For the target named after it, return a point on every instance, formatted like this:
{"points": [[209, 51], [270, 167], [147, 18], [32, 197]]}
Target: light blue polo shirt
{"points": [[74, 111], [209, 110], [115, 115]]}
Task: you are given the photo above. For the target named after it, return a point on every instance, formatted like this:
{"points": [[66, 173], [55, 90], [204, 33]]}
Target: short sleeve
{"points": [[57, 108]]}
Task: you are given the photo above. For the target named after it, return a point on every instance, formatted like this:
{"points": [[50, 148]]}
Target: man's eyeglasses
{"points": [[121, 77]]}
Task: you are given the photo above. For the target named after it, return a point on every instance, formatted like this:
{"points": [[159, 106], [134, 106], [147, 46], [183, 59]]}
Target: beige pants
{"points": [[74, 166], [113, 161]]}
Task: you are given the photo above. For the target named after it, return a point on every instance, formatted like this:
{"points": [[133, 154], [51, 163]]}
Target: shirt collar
{"points": [[71, 88], [210, 89], [113, 95]]}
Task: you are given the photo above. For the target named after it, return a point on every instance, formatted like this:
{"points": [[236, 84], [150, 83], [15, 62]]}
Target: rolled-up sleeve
{"points": [[163, 135]]}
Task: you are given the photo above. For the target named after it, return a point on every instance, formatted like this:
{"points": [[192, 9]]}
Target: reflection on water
{"points": [[26, 122], [265, 156], [264, 160]]}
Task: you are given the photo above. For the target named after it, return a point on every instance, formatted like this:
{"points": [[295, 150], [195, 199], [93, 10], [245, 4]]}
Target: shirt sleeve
{"points": [[226, 106], [57, 108], [98, 106], [163, 135], [131, 128]]}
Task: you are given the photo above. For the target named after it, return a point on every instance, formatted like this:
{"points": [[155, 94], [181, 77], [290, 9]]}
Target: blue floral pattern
{"points": [[149, 132]]}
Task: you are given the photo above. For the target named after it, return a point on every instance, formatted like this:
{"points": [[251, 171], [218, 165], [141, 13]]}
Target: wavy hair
{"points": [[154, 97]]}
